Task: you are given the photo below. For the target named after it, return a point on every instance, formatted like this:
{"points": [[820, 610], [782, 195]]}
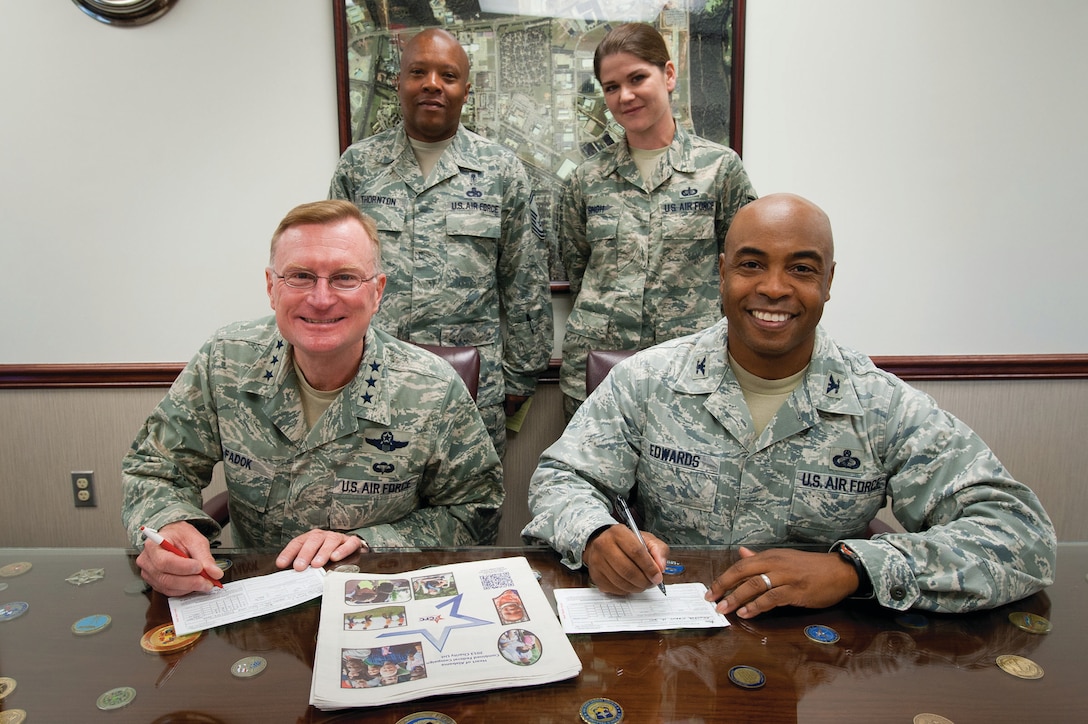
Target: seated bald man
{"points": [[763, 431]]}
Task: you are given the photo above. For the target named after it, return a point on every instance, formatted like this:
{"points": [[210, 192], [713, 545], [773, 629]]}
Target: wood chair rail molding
{"points": [[945, 367]]}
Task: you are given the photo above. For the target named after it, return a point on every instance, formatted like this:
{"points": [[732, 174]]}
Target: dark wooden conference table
{"points": [[884, 668]]}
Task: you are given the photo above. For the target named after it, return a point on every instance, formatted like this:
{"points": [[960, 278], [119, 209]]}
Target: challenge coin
{"points": [[426, 717], [116, 698], [1030, 622], [13, 716], [15, 569], [163, 640], [601, 709], [347, 568], [926, 718], [747, 677], [91, 624], [821, 634], [248, 667], [13, 610], [223, 564], [7, 685], [1020, 667]]}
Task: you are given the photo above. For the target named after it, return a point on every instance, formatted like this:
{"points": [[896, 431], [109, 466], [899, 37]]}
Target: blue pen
{"points": [[634, 529]]}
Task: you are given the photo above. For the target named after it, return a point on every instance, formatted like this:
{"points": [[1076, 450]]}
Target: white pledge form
{"points": [[244, 599], [588, 610]]}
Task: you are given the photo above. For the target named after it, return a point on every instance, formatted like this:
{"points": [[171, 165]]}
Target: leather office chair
{"points": [[600, 361], [464, 360]]}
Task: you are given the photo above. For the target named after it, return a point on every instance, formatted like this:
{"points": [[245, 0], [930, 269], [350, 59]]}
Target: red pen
{"points": [[152, 534]]}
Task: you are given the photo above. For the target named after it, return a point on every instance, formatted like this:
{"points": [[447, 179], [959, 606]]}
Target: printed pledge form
{"points": [[588, 610], [244, 599]]}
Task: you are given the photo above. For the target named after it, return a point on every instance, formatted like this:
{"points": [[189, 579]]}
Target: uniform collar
{"points": [[679, 156], [703, 369], [272, 377], [460, 154]]}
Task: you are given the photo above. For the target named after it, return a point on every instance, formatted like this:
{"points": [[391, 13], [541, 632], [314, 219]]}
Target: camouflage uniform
{"points": [[454, 249], [643, 261], [400, 458], [672, 420]]}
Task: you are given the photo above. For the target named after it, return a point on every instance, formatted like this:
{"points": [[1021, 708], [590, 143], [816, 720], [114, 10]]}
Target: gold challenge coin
{"points": [[931, 719], [1030, 622], [1020, 667], [163, 640]]}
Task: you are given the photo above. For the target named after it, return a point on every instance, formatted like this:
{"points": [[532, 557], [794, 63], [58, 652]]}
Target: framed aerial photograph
{"points": [[533, 88]]}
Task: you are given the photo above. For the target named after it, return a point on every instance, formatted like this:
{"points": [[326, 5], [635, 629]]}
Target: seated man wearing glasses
{"points": [[332, 434]]}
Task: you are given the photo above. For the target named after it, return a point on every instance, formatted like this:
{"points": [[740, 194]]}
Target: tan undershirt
{"points": [[646, 159], [427, 154], [314, 402], [764, 397]]}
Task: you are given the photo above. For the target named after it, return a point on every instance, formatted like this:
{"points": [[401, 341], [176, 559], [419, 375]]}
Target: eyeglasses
{"points": [[341, 282]]}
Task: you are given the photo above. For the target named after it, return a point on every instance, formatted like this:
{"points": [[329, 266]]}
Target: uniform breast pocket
{"points": [[827, 506], [689, 251], [388, 217], [472, 250], [396, 250], [678, 501], [249, 499], [601, 235]]}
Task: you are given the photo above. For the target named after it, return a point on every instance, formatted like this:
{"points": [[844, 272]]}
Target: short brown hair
{"points": [[639, 39], [328, 212]]}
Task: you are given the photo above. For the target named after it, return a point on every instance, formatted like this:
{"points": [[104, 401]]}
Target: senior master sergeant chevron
{"points": [[331, 433], [761, 430], [453, 210]]}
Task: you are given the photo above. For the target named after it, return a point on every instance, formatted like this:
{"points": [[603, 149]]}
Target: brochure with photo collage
{"points": [[462, 627]]}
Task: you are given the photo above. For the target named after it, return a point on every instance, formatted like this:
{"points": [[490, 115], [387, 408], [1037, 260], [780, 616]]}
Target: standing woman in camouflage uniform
{"points": [[643, 221]]}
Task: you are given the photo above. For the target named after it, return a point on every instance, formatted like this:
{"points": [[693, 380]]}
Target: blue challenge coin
{"points": [[822, 634], [91, 624], [672, 568], [12, 610], [601, 709]]}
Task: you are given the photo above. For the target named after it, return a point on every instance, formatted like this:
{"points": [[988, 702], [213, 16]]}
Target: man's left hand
{"points": [[797, 578], [317, 548]]}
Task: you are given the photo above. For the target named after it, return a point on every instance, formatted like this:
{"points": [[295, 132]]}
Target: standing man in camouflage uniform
{"points": [[761, 430], [332, 434], [644, 220], [453, 210]]}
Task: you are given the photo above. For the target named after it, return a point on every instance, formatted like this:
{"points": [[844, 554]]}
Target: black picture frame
{"points": [[531, 77]]}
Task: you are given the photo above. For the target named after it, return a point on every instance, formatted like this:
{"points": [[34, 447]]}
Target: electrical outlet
{"points": [[83, 489]]}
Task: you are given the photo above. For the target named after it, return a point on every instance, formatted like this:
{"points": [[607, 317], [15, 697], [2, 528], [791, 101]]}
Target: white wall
{"points": [[946, 140], [142, 170]]}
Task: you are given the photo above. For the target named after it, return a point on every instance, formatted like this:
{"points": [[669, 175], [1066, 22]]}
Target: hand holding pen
{"points": [[153, 535], [630, 520]]}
